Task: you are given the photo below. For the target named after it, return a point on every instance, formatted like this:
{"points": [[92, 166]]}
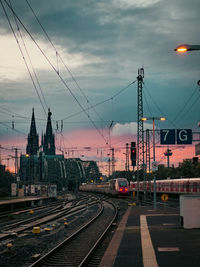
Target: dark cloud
{"points": [[115, 40]]}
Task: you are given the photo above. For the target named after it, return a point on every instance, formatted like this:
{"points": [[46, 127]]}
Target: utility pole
{"points": [[140, 132], [127, 160], [148, 163], [113, 161], [16, 161], [168, 153]]}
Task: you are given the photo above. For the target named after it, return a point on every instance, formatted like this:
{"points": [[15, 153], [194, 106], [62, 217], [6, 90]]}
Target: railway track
{"points": [[10, 230], [26, 247], [77, 249]]}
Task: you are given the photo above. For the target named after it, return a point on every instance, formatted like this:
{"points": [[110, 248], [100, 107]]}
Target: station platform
{"points": [[18, 200], [150, 238], [29, 201]]}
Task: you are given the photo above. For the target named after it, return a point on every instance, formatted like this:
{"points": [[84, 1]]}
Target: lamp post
{"points": [[186, 47], [154, 154]]}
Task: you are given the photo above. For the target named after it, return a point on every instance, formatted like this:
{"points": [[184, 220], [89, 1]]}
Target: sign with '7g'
{"points": [[167, 137], [180, 136]]}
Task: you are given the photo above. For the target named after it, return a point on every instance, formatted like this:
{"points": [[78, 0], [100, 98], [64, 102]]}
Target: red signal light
{"points": [[133, 153]]}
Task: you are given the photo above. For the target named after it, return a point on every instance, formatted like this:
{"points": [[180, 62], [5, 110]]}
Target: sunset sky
{"points": [[81, 60]]}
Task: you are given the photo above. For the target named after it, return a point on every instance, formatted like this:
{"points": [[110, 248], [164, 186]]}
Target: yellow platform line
{"points": [[148, 253]]}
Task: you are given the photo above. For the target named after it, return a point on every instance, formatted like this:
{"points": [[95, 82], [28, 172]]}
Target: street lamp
{"points": [[186, 47], [154, 155], [153, 120]]}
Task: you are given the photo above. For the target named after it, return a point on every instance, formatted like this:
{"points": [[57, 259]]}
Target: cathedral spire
{"points": [[33, 140], [33, 125], [49, 140]]}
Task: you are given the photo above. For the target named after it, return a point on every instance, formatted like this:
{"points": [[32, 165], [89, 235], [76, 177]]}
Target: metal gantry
{"points": [[127, 160], [140, 132], [148, 167]]}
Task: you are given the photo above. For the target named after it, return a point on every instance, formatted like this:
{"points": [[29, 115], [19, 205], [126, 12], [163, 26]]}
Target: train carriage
{"points": [[173, 186], [115, 187]]}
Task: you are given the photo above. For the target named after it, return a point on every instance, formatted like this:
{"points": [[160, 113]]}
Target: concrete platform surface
{"points": [[150, 238]]}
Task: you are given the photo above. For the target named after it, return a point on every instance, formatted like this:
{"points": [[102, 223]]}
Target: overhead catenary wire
{"points": [[72, 115], [16, 114], [21, 51], [53, 67], [59, 56], [83, 110], [7, 126], [29, 58], [101, 102], [182, 111], [159, 109], [147, 104]]}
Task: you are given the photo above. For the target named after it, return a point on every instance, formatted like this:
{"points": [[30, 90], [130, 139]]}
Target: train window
{"points": [[122, 183], [194, 185]]}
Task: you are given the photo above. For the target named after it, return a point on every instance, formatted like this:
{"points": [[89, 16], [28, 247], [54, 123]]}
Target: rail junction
{"points": [[96, 230]]}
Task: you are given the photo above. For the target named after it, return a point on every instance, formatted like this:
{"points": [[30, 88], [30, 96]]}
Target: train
{"points": [[121, 187], [115, 187], [172, 186]]}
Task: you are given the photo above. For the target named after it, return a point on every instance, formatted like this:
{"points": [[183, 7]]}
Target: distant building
{"points": [[40, 164], [33, 139], [48, 141]]}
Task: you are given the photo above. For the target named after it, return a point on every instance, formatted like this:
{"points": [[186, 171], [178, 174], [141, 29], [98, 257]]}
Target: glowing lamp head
{"points": [[144, 119], [186, 47], [162, 118], [182, 49]]}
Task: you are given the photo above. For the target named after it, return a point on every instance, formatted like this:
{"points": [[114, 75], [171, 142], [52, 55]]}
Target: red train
{"points": [[173, 186], [115, 187]]}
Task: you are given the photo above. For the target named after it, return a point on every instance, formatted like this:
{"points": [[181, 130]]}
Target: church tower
{"points": [[33, 139], [48, 138]]}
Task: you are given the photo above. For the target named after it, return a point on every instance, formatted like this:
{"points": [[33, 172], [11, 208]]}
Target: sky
{"points": [[81, 60]]}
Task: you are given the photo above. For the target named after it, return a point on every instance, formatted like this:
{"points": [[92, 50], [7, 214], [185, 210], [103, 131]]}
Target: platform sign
{"points": [[164, 197], [184, 136], [154, 166], [167, 137], [179, 137]]}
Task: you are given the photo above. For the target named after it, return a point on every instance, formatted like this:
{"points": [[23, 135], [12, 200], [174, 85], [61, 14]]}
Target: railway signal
{"points": [[133, 153]]}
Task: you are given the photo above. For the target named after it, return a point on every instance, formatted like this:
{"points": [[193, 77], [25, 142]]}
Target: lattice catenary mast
{"points": [[140, 132]]}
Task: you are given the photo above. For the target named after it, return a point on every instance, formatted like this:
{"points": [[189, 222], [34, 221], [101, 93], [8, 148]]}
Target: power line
{"points": [[21, 51], [62, 80], [58, 55], [7, 126], [99, 103], [179, 115], [159, 109]]}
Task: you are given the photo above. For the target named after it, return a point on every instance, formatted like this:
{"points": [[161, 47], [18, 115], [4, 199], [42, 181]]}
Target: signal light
{"points": [[133, 153]]}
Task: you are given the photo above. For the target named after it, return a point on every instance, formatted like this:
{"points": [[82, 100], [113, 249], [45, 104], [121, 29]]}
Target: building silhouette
{"points": [[33, 138], [41, 164]]}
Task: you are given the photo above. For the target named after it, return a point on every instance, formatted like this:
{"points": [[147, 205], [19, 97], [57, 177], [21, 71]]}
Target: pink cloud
{"points": [[90, 144]]}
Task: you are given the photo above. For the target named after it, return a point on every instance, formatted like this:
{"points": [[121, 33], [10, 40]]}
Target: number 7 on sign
{"points": [[167, 136]]}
